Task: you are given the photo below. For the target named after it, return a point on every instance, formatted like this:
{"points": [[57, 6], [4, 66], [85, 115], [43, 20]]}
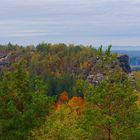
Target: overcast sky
{"points": [[96, 22]]}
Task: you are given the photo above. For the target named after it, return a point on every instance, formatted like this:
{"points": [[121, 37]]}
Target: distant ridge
{"points": [[127, 48], [123, 48], [131, 53]]}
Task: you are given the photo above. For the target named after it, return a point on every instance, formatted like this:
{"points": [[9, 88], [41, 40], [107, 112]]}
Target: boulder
{"points": [[124, 63]]}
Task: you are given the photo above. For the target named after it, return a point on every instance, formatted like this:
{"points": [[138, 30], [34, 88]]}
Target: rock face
{"points": [[4, 59], [124, 63], [95, 79]]}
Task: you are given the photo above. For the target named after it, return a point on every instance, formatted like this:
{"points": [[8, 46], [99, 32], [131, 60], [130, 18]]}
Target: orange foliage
{"points": [[62, 99], [76, 104]]}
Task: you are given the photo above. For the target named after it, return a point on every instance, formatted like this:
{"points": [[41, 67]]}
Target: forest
{"points": [[67, 92]]}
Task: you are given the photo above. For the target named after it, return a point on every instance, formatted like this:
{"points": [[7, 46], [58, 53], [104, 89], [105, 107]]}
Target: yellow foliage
{"points": [[57, 126], [76, 104]]}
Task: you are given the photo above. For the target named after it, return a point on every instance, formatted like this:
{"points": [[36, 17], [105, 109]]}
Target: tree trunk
{"points": [[109, 134]]}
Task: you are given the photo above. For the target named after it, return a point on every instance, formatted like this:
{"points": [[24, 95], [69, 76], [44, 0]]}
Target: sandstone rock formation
{"points": [[124, 63]]}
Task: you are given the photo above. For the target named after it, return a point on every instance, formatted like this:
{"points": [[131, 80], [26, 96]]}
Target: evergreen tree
{"points": [[113, 108], [21, 109]]}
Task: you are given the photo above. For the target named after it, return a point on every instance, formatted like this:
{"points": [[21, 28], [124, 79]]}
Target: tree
{"points": [[105, 60], [76, 104], [21, 108], [115, 113], [60, 125]]}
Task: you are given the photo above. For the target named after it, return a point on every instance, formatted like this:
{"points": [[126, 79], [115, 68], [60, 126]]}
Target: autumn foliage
{"points": [[63, 98], [75, 104], [45, 93]]}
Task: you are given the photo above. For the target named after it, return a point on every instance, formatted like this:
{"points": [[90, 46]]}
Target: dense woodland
{"points": [[66, 92]]}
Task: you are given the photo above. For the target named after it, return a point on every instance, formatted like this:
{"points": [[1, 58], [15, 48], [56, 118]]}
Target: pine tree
{"points": [[114, 110], [21, 108]]}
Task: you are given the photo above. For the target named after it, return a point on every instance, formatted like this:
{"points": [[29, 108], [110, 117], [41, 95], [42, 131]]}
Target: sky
{"points": [[95, 22]]}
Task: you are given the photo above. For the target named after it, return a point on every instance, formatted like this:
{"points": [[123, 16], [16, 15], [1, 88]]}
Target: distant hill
{"points": [[129, 48], [131, 53]]}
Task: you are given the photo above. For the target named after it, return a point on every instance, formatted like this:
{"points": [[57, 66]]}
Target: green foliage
{"points": [[137, 80], [20, 108], [106, 61], [79, 88], [38, 75], [43, 47], [115, 114], [108, 51], [61, 125], [57, 85]]}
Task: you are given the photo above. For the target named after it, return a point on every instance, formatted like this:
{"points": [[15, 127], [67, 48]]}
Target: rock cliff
{"points": [[124, 63]]}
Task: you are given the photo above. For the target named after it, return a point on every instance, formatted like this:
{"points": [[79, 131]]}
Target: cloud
{"points": [[71, 20]]}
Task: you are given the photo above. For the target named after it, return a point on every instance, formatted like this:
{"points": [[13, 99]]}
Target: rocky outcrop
{"points": [[4, 59], [95, 79], [124, 63]]}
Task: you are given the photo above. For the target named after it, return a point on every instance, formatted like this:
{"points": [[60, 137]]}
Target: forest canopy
{"points": [[66, 92]]}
